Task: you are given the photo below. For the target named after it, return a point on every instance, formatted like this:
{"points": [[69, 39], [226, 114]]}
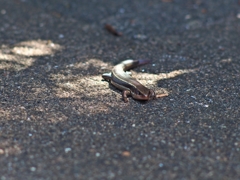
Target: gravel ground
{"points": [[60, 120]]}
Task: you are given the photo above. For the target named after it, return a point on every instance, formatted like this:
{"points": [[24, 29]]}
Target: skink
{"points": [[129, 85]]}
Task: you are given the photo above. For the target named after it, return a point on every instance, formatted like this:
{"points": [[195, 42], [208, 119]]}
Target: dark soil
{"points": [[60, 120]]}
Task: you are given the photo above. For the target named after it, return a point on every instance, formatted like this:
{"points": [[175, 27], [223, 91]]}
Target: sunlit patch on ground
{"points": [[91, 62], [85, 88], [153, 78], [14, 62], [5, 114], [24, 54], [8, 148], [77, 85], [36, 48], [81, 82]]}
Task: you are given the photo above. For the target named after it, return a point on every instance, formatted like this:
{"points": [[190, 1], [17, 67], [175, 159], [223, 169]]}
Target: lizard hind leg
{"points": [[125, 94]]}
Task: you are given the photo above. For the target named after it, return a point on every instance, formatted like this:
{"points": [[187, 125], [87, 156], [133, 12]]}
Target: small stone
{"points": [[60, 36], [194, 24], [160, 165], [126, 153], [33, 169], [67, 150], [238, 15], [1, 151], [140, 36], [3, 11], [122, 10], [188, 16]]}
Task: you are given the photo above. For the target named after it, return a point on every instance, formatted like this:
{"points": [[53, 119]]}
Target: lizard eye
{"points": [[136, 92]]}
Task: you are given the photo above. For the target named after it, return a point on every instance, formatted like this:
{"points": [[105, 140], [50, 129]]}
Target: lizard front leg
{"points": [[125, 94]]}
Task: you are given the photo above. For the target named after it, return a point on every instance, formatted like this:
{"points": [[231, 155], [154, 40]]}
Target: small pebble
{"points": [[33, 169], [60, 36], [122, 10], [188, 16], [1, 151], [126, 153], [3, 11], [67, 150], [238, 15], [140, 36]]}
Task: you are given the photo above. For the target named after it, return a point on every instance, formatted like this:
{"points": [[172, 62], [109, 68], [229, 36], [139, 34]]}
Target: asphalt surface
{"points": [[59, 120]]}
